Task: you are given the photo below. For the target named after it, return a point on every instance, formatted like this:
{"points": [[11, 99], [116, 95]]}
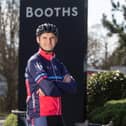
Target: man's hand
{"points": [[67, 78], [40, 92]]}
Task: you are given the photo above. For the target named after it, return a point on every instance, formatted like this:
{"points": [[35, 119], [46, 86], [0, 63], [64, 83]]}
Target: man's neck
{"points": [[47, 55]]}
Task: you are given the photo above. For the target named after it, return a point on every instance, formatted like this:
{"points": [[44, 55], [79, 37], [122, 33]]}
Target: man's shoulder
{"points": [[58, 61], [33, 58]]}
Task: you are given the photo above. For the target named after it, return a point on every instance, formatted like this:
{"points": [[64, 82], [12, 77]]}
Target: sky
{"points": [[95, 10], [97, 7]]}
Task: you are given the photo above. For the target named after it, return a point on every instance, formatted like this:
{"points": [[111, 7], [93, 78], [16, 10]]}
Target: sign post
{"points": [[70, 16]]}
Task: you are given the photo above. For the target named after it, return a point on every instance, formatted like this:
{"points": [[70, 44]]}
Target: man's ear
{"points": [[38, 39]]}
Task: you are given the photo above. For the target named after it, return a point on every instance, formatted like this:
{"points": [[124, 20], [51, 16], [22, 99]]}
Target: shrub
{"points": [[105, 86], [11, 120], [114, 110]]}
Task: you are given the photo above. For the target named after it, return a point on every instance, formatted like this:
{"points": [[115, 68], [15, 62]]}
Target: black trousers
{"points": [[47, 121]]}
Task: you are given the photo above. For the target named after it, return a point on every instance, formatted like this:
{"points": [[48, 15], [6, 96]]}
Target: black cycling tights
{"points": [[47, 121]]}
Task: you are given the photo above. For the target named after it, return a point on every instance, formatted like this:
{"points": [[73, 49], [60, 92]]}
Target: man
{"points": [[47, 79]]}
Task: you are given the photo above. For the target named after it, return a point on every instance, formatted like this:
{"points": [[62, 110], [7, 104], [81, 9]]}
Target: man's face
{"points": [[47, 41]]}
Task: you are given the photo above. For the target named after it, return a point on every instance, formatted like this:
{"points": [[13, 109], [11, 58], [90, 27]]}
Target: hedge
{"points": [[105, 86], [114, 110]]}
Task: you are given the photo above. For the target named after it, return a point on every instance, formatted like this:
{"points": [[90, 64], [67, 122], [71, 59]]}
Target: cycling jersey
{"points": [[44, 71]]}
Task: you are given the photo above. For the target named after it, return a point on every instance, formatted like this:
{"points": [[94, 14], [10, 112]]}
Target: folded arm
{"points": [[48, 87]]}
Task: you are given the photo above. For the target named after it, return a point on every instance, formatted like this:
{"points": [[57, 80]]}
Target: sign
{"points": [[70, 16]]}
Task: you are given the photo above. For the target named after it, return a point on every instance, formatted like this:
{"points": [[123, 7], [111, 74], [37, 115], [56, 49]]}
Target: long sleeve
{"points": [[69, 88], [40, 78], [50, 83]]}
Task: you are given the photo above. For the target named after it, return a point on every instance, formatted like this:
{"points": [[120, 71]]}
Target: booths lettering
{"points": [[49, 12]]}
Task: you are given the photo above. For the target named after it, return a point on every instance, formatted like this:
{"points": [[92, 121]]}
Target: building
{"points": [[3, 86], [122, 69], [94, 70]]}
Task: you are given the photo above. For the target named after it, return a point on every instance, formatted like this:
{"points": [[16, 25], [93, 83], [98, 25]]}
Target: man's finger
{"points": [[40, 92]]}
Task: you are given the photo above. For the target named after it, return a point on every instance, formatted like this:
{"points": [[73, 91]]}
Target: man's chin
{"points": [[47, 50]]}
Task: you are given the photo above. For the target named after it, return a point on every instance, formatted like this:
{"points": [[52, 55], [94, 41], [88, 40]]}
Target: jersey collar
{"points": [[46, 55]]}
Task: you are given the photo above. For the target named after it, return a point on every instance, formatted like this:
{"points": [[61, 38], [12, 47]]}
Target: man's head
{"points": [[47, 36]]}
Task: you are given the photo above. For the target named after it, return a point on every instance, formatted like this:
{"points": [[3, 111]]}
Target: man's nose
{"points": [[49, 39]]}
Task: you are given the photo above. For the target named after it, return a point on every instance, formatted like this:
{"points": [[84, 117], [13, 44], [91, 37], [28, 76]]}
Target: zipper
{"points": [[58, 108], [53, 70]]}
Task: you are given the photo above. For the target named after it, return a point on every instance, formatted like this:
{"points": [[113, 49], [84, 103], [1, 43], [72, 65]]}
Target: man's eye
{"points": [[53, 38], [44, 38]]}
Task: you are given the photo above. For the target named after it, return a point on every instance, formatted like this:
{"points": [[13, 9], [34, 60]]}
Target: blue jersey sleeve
{"points": [[50, 88], [69, 88], [40, 77]]}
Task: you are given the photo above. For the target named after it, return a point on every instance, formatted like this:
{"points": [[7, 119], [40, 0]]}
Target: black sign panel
{"points": [[70, 16]]}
